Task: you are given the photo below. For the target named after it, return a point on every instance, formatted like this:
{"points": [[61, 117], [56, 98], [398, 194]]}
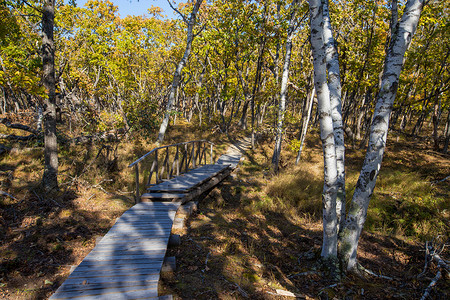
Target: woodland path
{"points": [[127, 262]]}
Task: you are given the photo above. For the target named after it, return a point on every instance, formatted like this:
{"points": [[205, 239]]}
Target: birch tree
{"points": [[177, 75], [394, 60], [326, 64], [284, 85], [329, 243], [334, 85]]}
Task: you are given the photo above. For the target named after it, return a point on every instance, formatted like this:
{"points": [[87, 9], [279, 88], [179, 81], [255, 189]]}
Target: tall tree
{"points": [[334, 85], [394, 60], [346, 245], [177, 75], [329, 243], [284, 85], [50, 177]]}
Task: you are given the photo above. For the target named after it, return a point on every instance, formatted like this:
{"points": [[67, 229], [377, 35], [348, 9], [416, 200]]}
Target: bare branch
{"points": [[373, 273], [178, 12], [17, 137], [9, 195], [8, 124]]}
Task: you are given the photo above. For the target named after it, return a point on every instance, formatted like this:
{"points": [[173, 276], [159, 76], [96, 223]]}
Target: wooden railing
{"points": [[166, 163]]}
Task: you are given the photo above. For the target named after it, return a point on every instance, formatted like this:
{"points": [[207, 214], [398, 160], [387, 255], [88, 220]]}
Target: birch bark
{"points": [[283, 92], [334, 85], [177, 75], [305, 125], [329, 243], [357, 212]]}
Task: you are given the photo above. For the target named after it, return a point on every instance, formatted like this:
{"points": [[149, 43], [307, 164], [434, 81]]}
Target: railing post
{"points": [[204, 152], [136, 168], [178, 161], [167, 163], [211, 153], [156, 167], [197, 154], [194, 157], [186, 162]]}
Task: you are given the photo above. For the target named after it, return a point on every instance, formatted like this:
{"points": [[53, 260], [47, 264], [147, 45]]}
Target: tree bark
{"points": [[329, 244], [283, 92], [177, 75], [436, 117], [50, 177], [447, 133], [305, 125], [357, 212], [334, 85]]}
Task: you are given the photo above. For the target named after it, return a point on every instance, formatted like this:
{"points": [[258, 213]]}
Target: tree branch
{"points": [[182, 16], [8, 124]]}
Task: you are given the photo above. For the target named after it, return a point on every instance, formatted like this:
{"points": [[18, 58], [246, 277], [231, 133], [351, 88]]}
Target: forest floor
{"points": [[253, 236]]}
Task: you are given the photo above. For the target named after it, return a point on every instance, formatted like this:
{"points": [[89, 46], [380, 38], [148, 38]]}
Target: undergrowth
{"points": [[408, 200]]}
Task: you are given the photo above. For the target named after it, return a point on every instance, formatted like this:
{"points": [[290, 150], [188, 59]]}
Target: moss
{"points": [[353, 208]]}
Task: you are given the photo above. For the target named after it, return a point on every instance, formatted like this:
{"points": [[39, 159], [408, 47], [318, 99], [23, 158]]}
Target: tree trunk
{"points": [[334, 85], [329, 244], [305, 125], [243, 119], [447, 133], [283, 92], [177, 75], [50, 177], [357, 212], [436, 117]]}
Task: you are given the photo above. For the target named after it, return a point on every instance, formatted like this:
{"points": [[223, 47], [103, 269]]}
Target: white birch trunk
{"points": [[283, 92], [177, 76], [334, 85], [357, 212], [305, 126], [329, 244]]}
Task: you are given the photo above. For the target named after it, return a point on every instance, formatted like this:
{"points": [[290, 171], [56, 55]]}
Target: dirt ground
{"points": [[229, 254], [230, 248]]}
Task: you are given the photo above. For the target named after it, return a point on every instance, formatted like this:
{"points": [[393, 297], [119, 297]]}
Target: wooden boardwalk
{"points": [[127, 262], [188, 181]]}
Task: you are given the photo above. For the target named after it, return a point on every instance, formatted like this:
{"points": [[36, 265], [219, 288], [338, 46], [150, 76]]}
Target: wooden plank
{"points": [[107, 253], [229, 159], [130, 227], [111, 255], [166, 216], [189, 180], [112, 279], [136, 221], [131, 237], [89, 285], [94, 267], [208, 185], [143, 245], [133, 240], [162, 196], [155, 215], [121, 261], [155, 205], [142, 234], [98, 257], [134, 272], [146, 213], [111, 293], [155, 208]]}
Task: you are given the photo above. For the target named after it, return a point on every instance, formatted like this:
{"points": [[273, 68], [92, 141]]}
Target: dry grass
{"points": [[256, 228]]}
